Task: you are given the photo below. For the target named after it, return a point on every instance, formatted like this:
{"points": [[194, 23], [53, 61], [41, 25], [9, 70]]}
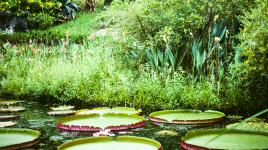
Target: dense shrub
{"points": [[41, 20], [177, 23], [37, 11], [249, 77]]}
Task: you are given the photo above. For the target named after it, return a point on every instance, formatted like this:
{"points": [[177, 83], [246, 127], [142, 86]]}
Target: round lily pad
{"points": [[186, 116], [97, 122], [9, 102], [250, 126], [61, 113], [12, 109], [108, 143], [15, 138], [224, 139], [9, 117], [105, 110], [7, 123], [62, 108]]}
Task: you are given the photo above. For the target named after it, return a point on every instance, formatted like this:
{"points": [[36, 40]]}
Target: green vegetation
{"points": [[149, 54], [41, 14], [76, 30]]}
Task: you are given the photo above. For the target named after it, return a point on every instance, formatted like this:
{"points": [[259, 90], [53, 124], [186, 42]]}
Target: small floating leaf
{"points": [[166, 133]]}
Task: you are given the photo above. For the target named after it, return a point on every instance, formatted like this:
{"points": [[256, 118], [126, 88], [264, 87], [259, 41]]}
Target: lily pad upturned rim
{"points": [[106, 138], [195, 133], [35, 133], [61, 125], [137, 111], [12, 109], [8, 117], [153, 117]]}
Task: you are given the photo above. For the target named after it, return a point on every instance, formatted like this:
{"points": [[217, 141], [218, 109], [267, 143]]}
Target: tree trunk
{"points": [[90, 5]]}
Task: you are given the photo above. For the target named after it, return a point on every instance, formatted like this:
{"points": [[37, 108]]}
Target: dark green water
{"points": [[35, 117]]}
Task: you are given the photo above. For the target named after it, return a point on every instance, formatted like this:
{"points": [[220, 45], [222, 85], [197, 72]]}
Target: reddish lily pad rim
{"points": [[153, 117], [23, 131], [61, 125], [191, 134], [105, 139]]}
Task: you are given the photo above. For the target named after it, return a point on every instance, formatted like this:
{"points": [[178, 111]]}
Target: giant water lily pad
{"points": [[61, 113], [9, 102], [62, 108], [105, 110], [12, 109], [15, 138], [185, 116], [97, 122], [250, 126], [108, 143], [224, 139], [9, 117], [7, 123]]}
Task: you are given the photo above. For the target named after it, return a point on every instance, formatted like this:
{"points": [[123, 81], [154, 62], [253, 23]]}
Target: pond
{"points": [[35, 117]]}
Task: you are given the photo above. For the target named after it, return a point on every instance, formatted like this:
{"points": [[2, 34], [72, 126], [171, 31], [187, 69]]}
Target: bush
{"points": [[41, 20], [254, 39], [250, 77], [176, 23], [37, 11]]}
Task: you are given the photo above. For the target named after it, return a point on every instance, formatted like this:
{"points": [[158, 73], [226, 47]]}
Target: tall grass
{"points": [[98, 76]]}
